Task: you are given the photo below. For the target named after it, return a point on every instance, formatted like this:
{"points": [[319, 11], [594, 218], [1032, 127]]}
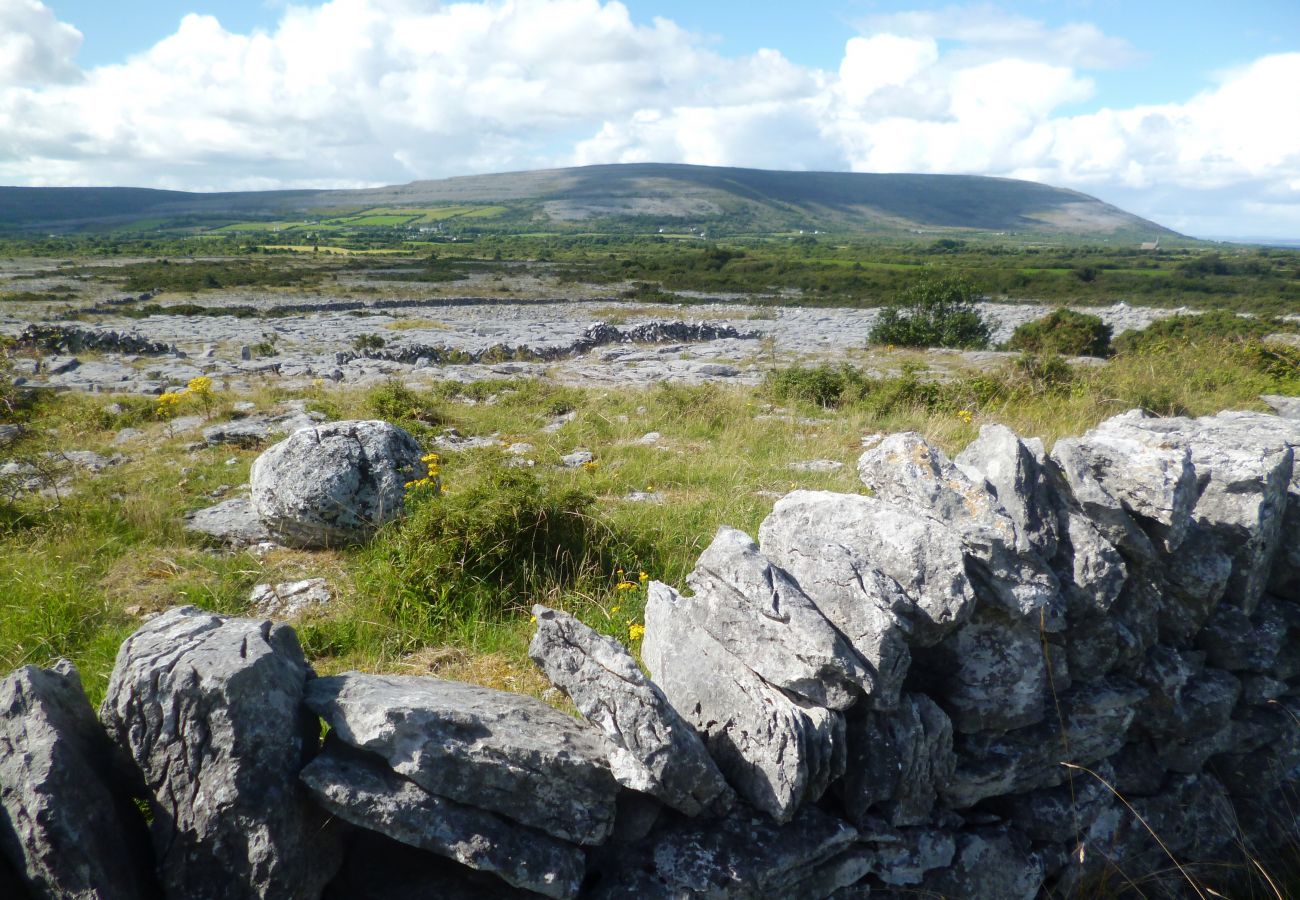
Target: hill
{"points": [[635, 197]]}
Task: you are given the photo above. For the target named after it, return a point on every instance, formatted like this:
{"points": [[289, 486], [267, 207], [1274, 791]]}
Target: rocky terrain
{"points": [[578, 341], [1010, 674]]}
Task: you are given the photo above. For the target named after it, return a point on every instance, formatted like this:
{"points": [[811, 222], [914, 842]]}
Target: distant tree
{"points": [[934, 311]]}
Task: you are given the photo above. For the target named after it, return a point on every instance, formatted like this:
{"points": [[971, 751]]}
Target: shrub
{"points": [[934, 312], [1214, 326], [367, 342], [1063, 332], [824, 385], [394, 402], [482, 547]]}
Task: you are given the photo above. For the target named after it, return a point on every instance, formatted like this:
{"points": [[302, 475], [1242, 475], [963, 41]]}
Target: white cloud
{"points": [[35, 47], [354, 92]]}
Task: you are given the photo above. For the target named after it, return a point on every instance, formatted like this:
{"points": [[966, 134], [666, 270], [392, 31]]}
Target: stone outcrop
{"points": [[1016, 674], [334, 484], [210, 710], [67, 826]]}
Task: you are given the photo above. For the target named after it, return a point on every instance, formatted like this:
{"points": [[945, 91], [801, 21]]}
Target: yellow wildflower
{"points": [[965, 415], [635, 631], [591, 466], [625, 586], [200, 385], [643, 577], [613, 610]]}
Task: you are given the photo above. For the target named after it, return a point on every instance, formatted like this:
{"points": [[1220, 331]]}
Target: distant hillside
{"points": [[631, 197]]}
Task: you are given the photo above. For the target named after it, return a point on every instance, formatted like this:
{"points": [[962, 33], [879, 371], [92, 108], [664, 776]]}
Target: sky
{"points": [[1187, 113]]}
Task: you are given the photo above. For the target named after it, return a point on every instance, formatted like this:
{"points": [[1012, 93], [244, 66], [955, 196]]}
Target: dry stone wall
{"points": [[997, 676]]}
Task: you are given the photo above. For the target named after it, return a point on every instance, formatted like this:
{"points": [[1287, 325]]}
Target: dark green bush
{"points": [[934, 312], [1064, 332], [1210, 327], [394, 402], [367, 342]]}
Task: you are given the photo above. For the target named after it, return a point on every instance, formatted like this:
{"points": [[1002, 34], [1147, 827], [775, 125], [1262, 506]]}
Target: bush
{"points": [[1215, 326], [492, 542], [824, 385], [934, 312], [1064, 332], [394, 402], [367, 342]]}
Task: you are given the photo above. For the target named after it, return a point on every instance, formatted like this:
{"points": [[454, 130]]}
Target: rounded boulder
{"points": [[333, 485]]}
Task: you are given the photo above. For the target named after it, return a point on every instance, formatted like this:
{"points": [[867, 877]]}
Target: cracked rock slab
{"points": [[777, 752], [209, 708], [361, 789], [501, 752], [652, 749], [763, 618]]}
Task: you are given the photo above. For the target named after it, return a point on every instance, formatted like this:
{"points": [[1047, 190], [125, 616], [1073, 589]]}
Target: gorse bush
{"points": [[934, 312], [1064, 332]]}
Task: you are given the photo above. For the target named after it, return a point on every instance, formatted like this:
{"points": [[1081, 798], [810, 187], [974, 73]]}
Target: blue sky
{"points": [[1184, 112]]}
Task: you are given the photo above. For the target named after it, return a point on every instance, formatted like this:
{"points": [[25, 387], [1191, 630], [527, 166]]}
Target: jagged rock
{"points": [[247, 433], [1091, 571], [334, 484], [9, 434], [290, 599], [1285, 407], [1192, 582], [762, 617], [1097, 643], [231, 522], [1096, 719], [504, 753], [838, 547], [990, 674], [900, 858], [989, 864], [905, 470], [815, 465], [776, 751], [1237, 642], [741, 856], [1013, 468], [210, 710], [896, 761], [1244, 464], [1192, 723], [361, 789], [67, 826], [652, 749], [1061, 814]]}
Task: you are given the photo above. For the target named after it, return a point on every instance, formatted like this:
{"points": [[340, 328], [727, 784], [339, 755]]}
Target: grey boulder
{"points": [[290, 599], [1013, 469], [762, 617], [66, 825], [504, 753], [652, 749], [777, 751], [361, 789], [334, 484], [209, 708]]}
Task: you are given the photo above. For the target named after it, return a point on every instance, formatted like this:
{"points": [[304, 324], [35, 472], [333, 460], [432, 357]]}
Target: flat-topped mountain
{"points": [[626, 197]]}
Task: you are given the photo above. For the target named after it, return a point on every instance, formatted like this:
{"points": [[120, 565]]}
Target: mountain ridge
{"points": [[635, 196]]}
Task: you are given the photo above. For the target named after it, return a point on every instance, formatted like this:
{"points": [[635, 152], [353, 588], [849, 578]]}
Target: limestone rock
{"points": [[897, 761], [290, 599], [762, 617], [776, 751], [990, 674], [210, 710], [577, 459], [504, 753], [360, 789], [740, 856], [989, 864], [838, 547], [905, 470], [376, 867], [1096, 721], [231, 522], [334, 484], [1013, 468], [652, 749], [66, 825], [1091, 571]]}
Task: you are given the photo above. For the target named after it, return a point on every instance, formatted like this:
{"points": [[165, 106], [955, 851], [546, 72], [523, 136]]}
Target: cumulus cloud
{"points": [[35, 47], [352, 92]]}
